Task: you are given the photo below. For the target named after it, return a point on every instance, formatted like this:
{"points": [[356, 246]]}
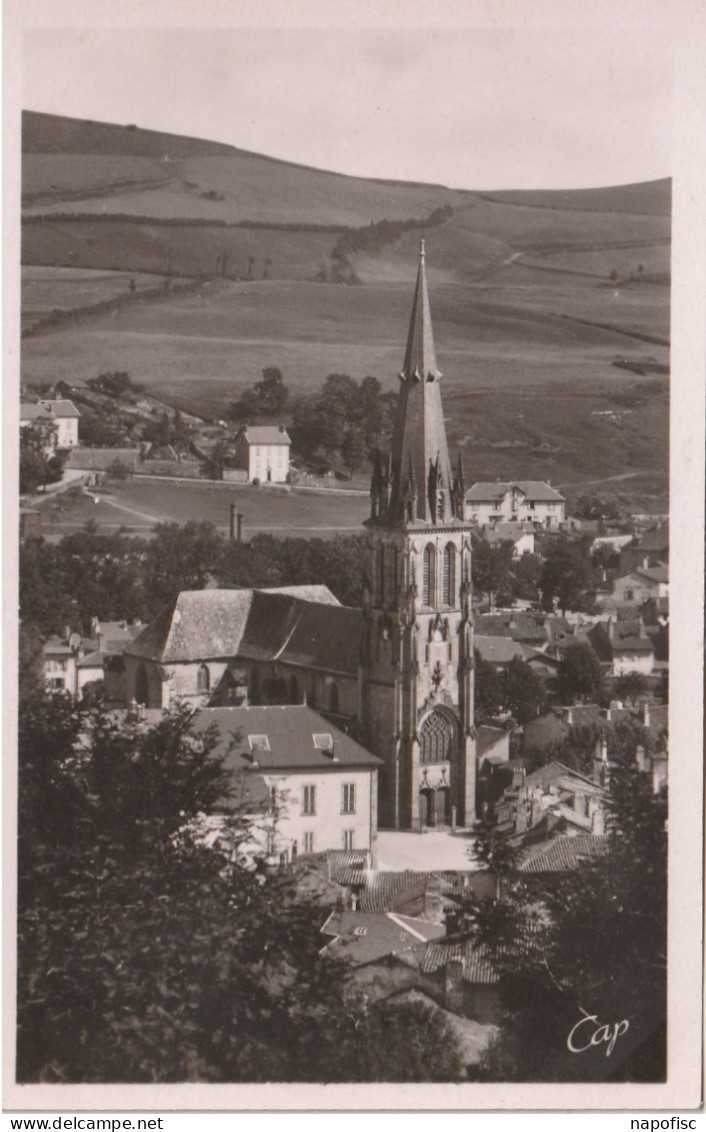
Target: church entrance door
{"points": [[441, 806], [426, 807]]}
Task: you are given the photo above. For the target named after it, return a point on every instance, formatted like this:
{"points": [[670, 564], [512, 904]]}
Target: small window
{"points": [[348, 798], [348, 839], [259, 743], [323, 741], [360, 931], [309, 842], [203, 679], [309, 800]]}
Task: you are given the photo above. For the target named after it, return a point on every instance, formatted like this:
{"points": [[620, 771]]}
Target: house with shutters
{"points": [[263, 452], [516, 501], [312, 788]]}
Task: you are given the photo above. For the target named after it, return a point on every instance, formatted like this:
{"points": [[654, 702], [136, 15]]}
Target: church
{"points": [[398, 674]]}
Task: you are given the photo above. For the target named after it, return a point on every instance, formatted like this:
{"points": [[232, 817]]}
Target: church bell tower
{"points": [[417, 644]]}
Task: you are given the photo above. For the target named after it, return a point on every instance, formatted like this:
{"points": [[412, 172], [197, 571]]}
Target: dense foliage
{"points": [[145, 956], [40, 462], [115, 577], [590, 941]]}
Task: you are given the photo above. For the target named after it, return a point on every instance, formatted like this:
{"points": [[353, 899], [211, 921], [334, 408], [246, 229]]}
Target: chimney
{"points": [[570, 716], [453, 986], [240, 527], [608, 714]]}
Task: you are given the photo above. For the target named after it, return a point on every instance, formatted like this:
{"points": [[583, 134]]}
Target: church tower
{"points": [[417, 643]]}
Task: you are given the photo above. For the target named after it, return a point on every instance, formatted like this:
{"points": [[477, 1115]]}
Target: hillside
{"points": [[534, 294]]}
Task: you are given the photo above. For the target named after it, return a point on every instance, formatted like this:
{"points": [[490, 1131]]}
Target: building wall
{"points": [[267, 462], [633, 662], [67, 432], [328, 825], [60, 673], [633, 587], [516, 507]]}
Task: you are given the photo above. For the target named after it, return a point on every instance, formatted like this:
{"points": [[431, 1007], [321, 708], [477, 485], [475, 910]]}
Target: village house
{"points": [[650, 548], [61, 416], [317, 787], [521, 535], [641, 585], [517, 501], [263, 452], [72, 661]]}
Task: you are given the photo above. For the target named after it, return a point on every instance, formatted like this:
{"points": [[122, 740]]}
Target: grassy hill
{"points": [[534, 294]]}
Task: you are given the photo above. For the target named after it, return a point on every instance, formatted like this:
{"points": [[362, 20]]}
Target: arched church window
{"points": [[429, 575], [436, 738], [333, 697], [203, 679], [380, 580], [391, 573], [142, 685], [449, 582]]}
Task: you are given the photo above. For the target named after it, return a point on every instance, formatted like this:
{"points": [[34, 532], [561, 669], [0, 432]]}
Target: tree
{"points": [[40, 462], [180, 558], [145, 956], [115, 384], [488, 693], [268, 398], [522, 690], [631, 686], [118, 471], [565, 576], [491, 567], [354, 449], [597, 507], [580, 676]]}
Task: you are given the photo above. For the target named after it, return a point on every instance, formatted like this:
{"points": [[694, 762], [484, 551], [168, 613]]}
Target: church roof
{"points": [[210, 624]]}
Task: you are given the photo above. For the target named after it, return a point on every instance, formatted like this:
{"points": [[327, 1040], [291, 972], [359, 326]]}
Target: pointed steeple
{"points": [[419, 449], [420, 357]]}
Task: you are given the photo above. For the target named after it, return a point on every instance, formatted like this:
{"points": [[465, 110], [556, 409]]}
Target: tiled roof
{"points": [[535, 490], [265, 434], [31, 412], [518, 625], [654, 573], [290, 732], [327, 637], [363, 937], [100, 459], [657, 538], [477, 965], [388, 891], [260, 624], [565, 852], [504, 532], [488, 737], [62, 409], [497, 650]]}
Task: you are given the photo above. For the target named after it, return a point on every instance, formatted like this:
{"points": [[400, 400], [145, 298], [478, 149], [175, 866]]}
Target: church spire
{"points": [[420, 358], [419, 442]]}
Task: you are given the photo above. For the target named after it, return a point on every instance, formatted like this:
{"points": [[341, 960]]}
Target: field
{"points": [[534, 295], [137, 506]]}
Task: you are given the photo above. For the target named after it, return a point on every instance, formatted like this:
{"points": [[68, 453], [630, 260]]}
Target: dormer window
{"points": [[258, 743], [323, 741]]}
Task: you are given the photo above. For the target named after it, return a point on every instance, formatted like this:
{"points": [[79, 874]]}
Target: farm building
{"points": [[263, 452]]}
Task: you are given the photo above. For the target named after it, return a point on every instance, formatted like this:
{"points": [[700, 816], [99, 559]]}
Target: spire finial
{"points": [[422, 253]]}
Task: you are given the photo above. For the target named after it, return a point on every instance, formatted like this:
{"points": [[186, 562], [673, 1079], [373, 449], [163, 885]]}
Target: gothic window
{"points": [[391, 573], [449, 586], [429, 575], [436, 738], [381, 574], [203, 679], [142, 687], [333, 697]]}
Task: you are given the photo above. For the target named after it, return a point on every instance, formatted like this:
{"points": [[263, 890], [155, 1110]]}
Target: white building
{"points": [[514, 502], [320, 785], [63, 415], [263, 452]]}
